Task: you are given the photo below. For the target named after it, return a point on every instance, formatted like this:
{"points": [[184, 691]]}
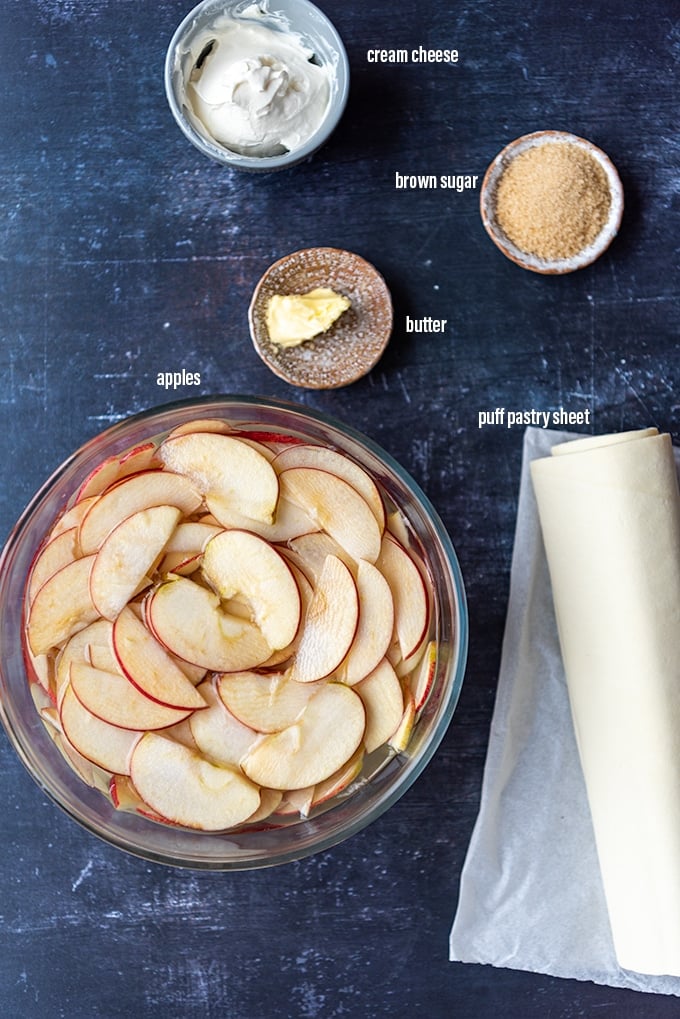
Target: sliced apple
{"points": [[421, 681], [336, 507], [104, 744], [324, 738], [148, 665], [384, 703], [220, 737], [57, 553], [326, 459], [78, 648], [100, 477], [411, 608], [61, 606], [289, 520], [340, 780], [269, 801], [113, 698], [126, 555], [330, 624], [239, 562], [376, 623], [189, 621], [231, 471], [202, 425], [139, 458], [311, 550], [130, 495], [401, 738], [265, 702], [183, 787], [72, 516], [191, 537]]}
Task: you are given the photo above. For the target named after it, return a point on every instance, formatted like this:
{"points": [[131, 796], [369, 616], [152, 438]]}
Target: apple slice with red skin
{"points": [[182, 786], [61, 606], [149, 667], [411, 608], [130, 495], [127, 554], [401, 738], [99, 479], [125, 797], [269, 801], [231, 471], [310, 552], [189, 621], [191, 537], [324, 738], [78, 648], [72, 516], [335, 507], [384, 704], [376, 623], [330, 624], [139, 458], [289, 520], [264, 702], [326, 459], [343, 777], [219, 736], [57, 553], [239, 562], [422, 680], [113, 698], [106, 745]]}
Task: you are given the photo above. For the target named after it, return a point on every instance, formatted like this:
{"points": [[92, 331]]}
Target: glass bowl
{"points": [[291, 839]]}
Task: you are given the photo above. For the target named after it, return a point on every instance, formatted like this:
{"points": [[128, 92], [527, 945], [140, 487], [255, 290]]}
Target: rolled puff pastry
{"points": [[610, 515]]}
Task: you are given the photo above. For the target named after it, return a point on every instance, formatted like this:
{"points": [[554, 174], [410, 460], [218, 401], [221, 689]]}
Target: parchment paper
{"points": [[531, 895]]}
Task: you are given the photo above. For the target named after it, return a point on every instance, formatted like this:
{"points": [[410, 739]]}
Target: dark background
{"points": [[124, 253]]}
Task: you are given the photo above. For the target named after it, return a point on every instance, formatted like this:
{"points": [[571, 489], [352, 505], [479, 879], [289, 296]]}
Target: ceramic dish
{"points": [[285, 838], [528, 261], [299, 17], [352, 345]]}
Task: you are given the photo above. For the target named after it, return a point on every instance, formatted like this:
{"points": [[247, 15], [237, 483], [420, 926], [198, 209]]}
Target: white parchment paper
{"points": [[531, 896]]}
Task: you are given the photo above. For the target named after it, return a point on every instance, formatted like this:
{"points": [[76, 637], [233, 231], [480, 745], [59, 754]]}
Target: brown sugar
{"points": [[553, 200]]}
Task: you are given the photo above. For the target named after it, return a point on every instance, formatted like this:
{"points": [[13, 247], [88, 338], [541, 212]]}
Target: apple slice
{"points": [[148, 665], [289, 521], [269, 801], [78, 648], [137, 492], [411, 608], [127, 554], [401, 738], [376, 622], [324, 738], [326, 459], [106, 745], [180, 785], [72, 516], [139, 458], [336, 507], [189, 621], [229, 470], [421, 681], [219, 736], [57, 553], [61, 606], [340, 780], [202, 425], [265, 702], [310, 552], [100, 477], [384, 703], [113, 698], [330, 624], [191, 537], [239, 562]]}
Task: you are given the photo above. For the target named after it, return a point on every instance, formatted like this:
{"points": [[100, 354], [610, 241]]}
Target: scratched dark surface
{"points": [[124, 252]]}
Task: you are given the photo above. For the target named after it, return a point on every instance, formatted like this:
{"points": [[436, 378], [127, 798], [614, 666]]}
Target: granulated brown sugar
{"points": [[553, 200]]}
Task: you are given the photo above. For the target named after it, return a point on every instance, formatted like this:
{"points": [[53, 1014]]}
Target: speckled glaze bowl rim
{"points": [[207, 9], [224, 851], [490, 183], [258, 329]]}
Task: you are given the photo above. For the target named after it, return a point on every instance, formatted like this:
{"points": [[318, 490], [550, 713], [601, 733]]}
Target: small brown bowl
{"points": [[528, 261], [355, 341]]}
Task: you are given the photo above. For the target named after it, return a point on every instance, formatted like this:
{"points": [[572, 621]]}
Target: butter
{"points": [[294, 318]]}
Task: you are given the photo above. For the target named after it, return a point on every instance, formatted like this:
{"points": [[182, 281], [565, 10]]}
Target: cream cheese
{"points": [[254, 89]]}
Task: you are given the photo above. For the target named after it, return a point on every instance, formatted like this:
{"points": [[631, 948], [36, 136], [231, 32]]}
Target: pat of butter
{"points": [[294, 318]]}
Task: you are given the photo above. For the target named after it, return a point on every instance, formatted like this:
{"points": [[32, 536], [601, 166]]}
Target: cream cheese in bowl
{"points": [[255, 88]]}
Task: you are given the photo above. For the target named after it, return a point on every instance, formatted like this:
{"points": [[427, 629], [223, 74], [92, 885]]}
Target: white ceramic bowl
{"points": [[297, 16]]}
